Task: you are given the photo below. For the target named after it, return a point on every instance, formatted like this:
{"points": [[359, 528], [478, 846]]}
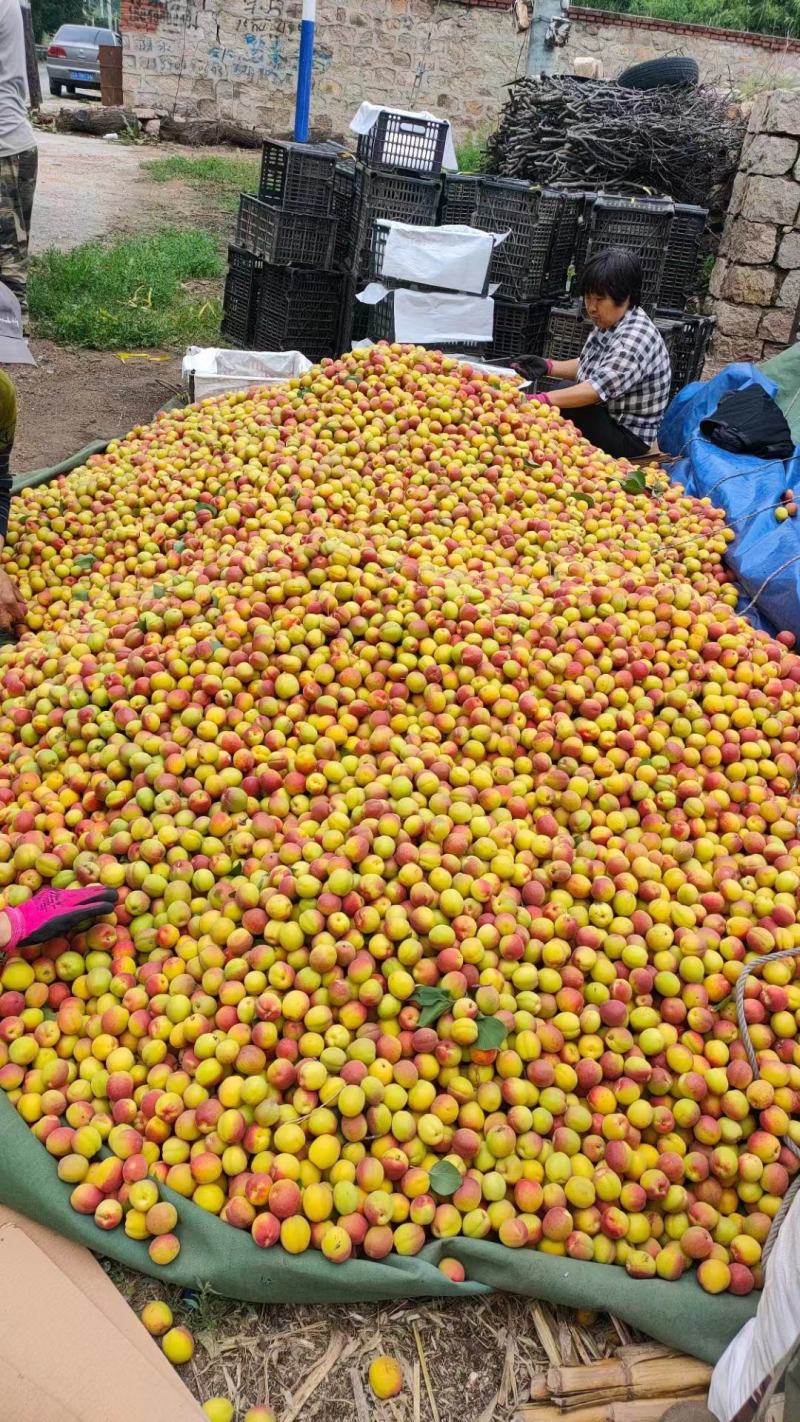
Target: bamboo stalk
{"points": [[615, 1379], [650, 1410]]}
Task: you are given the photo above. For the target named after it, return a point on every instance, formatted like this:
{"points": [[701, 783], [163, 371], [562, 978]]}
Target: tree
{"points": [[49, 14]]}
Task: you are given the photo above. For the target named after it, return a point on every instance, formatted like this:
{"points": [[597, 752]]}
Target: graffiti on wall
{"points": [[256, 41]]}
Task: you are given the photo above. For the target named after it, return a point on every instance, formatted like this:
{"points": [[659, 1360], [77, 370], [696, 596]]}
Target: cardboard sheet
{"points": [[99, 1364]]}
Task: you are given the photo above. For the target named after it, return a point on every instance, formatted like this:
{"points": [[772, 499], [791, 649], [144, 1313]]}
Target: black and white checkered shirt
{"points": [[630, 370]]}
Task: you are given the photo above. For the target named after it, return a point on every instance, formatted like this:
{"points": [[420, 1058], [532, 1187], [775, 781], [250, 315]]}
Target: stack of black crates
{"points": [[286, 287], [312, 237], [530, 268], [667, 238], [397, 178]]}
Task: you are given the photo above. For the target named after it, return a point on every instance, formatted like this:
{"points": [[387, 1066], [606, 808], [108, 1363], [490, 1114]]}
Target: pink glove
{"points": [[543, 397], [52, 913]]}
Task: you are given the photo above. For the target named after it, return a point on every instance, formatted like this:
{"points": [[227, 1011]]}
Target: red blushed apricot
{"points": [[452, 1269], [164, 1248], [266, 1230]]}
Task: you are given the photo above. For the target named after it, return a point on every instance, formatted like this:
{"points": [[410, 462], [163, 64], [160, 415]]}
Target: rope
{"points": [[744, 1033]]}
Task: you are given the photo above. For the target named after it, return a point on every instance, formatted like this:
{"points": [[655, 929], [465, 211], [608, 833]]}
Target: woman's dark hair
{"points": [[616, 272]]}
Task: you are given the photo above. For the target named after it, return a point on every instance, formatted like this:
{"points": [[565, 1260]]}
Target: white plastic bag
{"points": [[211, 370], [451, 258], [755, 1353]]}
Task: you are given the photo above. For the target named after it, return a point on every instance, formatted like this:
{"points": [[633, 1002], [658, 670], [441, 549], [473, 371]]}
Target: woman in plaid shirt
{"points": [[617, 390]]}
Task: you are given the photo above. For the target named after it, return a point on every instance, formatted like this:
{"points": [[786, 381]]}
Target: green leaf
{"points": [[492, 1033], [179, 546], [86, 560], [237, 867], [635, 483], [433, 1002], [205, 508], [585, 499], [158, 590], [80, 596], [445, 1177]]}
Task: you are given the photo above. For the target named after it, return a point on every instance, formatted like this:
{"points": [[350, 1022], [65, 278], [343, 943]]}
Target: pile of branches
{"points": [[589, 134]]}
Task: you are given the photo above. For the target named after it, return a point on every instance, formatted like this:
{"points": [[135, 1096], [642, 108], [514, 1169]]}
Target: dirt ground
{"points": [[88, 189], [462, 1362], [73, 397]]}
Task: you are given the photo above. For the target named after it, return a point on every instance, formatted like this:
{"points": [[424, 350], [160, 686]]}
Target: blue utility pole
{"points": [[302, 107]]}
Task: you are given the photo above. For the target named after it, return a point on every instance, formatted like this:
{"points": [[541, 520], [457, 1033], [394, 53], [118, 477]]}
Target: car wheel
{"points": [[673, 72], [55, 88]]}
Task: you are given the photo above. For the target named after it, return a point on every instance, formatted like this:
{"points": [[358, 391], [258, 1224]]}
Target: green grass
{"points": [[127, 296], [471, 154], [227, 177]]}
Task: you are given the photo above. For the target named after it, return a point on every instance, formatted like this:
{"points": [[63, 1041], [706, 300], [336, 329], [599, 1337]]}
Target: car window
{"points": [[77, 34], [106, 37]]}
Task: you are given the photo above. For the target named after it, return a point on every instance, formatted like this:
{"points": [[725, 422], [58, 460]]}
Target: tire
{"points": [[676, 72], [55, 88]]}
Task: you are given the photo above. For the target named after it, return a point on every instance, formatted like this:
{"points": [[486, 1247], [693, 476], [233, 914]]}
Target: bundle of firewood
{"points": [[589, 134]]}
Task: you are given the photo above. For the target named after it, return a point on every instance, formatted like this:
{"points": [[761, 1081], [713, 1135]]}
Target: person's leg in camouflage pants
{"points": [[17, 186]]}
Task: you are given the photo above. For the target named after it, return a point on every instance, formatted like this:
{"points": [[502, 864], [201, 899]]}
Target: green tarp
{"points": [[784, 369], [230, 1263]]}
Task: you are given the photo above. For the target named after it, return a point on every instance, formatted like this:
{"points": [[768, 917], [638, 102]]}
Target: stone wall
{"points": [[724, 56], [755, 285], [236, 59]]}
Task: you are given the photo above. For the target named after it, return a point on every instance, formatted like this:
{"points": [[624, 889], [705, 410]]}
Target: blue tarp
{"points": [[765, 557]]}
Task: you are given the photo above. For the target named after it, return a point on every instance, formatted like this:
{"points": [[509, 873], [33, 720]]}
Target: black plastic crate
{"points": [[640, 224], [344, 210], [567, 330], [561, 258], [398, 141], [682, 260], [520, 329], [396, 197], [359, 324], [380, 327], [461, 197], [300, 310], [535, 258], [688, 348], [297, 176], [347, 312], [510, 205], [282, 237], [241, 296], [586, 202]]}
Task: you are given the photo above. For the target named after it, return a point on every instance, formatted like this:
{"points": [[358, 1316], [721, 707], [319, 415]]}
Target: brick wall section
{"points": [[236, 59], [755, 285]]}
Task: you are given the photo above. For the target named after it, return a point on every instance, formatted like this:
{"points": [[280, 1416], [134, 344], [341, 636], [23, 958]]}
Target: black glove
{"points": [[533, 367]]}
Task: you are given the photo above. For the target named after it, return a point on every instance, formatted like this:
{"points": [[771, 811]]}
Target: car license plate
{"points": [[79, 76]]}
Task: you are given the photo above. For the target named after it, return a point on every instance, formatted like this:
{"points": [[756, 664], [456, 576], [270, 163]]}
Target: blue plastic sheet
{"points": [[765, 556]]}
